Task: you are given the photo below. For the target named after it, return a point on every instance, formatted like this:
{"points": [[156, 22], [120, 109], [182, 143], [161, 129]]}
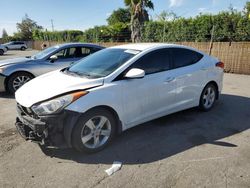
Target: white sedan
{"points": [[87, 104]]}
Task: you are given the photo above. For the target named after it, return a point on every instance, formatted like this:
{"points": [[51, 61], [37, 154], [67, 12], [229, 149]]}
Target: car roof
{"points": [[145, 46], [79, 44]]}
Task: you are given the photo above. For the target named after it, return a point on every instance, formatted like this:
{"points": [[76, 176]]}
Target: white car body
{"points": [[117, 88], [134, 100]]}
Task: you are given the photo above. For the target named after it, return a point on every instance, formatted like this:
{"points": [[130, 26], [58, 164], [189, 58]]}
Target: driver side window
{"points": [[156, 61], [62, 54]]}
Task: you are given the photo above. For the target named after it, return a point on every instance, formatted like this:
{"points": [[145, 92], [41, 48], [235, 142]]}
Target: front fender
{"points": [[10, 69]]}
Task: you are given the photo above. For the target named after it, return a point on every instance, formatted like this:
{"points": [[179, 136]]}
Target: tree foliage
{"points": [[4, 35], [139, 15], [26, 27], [60, 36], [120, 15], [229, 25]]}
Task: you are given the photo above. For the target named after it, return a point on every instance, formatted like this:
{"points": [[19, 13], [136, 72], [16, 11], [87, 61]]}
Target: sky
{"points": [[84, 14]]}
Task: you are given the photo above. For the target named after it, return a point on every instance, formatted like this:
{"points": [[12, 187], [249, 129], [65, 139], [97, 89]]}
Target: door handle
{"points": [[169, 79], [204, 68]]}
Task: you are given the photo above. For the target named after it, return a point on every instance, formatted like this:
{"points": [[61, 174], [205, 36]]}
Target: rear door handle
{"points": [[169, 79], [204, 68]]}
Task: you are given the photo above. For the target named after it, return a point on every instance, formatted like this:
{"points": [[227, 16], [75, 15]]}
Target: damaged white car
{"points": [[86, 105]]}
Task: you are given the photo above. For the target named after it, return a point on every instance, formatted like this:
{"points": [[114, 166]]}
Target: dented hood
{"points": [[52, 84]]}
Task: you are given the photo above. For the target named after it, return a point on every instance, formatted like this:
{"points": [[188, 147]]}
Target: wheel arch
{"points": [[216, 86], [16, 72], [72, 121], [115, 114]]}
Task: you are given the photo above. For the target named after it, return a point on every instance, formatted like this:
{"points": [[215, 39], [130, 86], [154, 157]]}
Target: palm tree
{"points": [[139, 15]]}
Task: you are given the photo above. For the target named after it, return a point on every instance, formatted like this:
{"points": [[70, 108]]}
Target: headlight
{"points": [[1, 69], [57, 104]]}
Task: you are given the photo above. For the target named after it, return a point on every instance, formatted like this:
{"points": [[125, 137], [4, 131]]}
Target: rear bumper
{"points": [[2, 82], [47, 130]]}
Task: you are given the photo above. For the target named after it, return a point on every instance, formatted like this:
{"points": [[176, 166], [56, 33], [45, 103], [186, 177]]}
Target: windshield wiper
{"points": [[77, 73]]}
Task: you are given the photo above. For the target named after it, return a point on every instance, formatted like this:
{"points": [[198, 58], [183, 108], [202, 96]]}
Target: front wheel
{"points": [[208, 97], [17, 80], [1, 52], [94, 131]]}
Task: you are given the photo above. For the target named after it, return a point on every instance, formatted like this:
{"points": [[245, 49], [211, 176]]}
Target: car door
{"points": [[152, 96], [71, 55], [16, 46], [64, 56], [11, 46], [189, 75]]}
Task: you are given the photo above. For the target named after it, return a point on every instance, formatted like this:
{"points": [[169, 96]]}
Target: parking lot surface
{"points": [[185, 149], [17, 53]]}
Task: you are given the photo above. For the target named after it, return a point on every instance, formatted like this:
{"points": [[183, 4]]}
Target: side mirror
{"points": [[135, 73], [53, 58]]}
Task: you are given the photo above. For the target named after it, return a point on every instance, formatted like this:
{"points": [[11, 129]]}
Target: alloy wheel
{"points": [[96, 132], [209, 97], [19, 81]]}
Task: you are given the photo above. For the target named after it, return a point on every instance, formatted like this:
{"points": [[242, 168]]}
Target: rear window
{"points": [[184, 57]]}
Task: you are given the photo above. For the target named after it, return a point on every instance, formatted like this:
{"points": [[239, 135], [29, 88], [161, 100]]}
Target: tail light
{"points": [[220, 64]]}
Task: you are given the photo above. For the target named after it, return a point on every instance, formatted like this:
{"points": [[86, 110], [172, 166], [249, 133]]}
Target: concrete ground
{"points": [[17, 53], [185, 149]]}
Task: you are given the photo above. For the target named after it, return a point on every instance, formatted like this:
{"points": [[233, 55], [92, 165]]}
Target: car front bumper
{"points": [[51, 130], [2, 83]]}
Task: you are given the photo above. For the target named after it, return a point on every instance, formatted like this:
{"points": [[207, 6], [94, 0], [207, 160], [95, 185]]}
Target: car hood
{"points": [[52, 84], [14, 61]]}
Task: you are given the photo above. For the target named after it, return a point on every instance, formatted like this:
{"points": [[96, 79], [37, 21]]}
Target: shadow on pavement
{"points": [[8, 54], [171, 134], [6, 95]]}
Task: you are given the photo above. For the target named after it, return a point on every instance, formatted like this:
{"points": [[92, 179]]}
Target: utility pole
{"points": [[164, 31], [52, 24], [211, 41]]}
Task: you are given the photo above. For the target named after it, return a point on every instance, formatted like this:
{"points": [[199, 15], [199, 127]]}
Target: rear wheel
{"points": [[17, 80], [94, 131], [208, 97], [1, 52], [23, 48]]}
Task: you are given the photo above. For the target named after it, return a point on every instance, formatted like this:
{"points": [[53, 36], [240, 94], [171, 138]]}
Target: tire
{"points": [[85, 134], [1, 52], [208, 97], [17, 80], [23, 48]]}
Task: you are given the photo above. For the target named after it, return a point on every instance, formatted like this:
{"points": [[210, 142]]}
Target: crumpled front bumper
{"points": [[2, 83], [53, 130]]}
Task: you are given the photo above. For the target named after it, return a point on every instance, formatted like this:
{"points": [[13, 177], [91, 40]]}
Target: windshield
{"points": [[44, 53], [102, 63]]}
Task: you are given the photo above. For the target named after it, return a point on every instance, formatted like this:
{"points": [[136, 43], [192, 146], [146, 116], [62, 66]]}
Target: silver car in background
{"points": [[16, 72], [3, 49], [16, 45]]}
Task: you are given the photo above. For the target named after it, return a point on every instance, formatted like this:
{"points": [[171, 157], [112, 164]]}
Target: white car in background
{"points": [[16, 45], [115, 89], [3, 49]]}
